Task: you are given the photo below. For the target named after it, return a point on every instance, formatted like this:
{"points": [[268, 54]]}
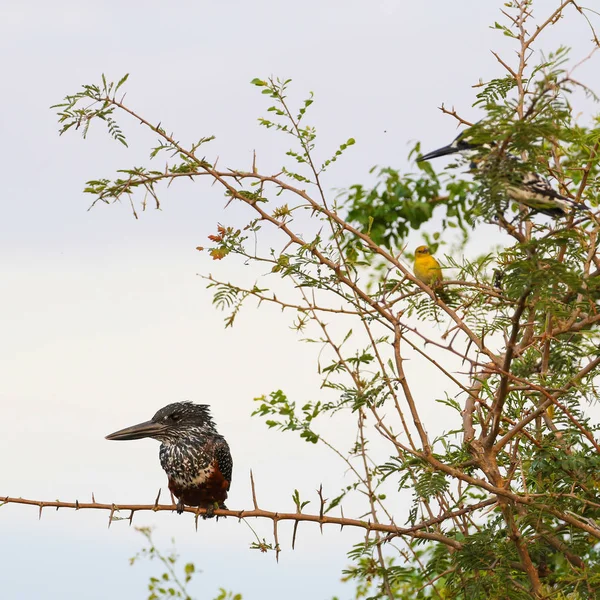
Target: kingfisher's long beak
{"points": [[137, 432], [439, 152]]}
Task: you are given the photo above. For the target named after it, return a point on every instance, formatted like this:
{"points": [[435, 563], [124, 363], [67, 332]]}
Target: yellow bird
{"points": [[426, 268]]}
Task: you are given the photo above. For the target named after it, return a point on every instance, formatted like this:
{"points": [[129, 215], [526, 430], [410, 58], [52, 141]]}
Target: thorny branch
{"points": [[321, 519]]}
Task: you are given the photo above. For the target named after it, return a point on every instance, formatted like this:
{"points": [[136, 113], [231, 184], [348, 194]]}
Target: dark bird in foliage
{"points": [[195, 457], [528, 189]]}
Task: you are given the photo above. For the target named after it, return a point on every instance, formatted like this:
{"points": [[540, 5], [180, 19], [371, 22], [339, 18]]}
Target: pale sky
{"points": [[104, 319]]}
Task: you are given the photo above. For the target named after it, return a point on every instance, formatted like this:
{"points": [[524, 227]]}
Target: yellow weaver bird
{"points": [[426, 268]]}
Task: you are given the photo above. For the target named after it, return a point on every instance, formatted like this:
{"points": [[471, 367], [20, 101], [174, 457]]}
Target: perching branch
{"points": [[113, 508]]}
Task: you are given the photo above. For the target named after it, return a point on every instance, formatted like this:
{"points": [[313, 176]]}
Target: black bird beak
{"points": [[139, 431], [439, 152]]}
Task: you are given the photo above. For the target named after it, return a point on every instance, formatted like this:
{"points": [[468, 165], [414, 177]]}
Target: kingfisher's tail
{"points": [[579, 205]]}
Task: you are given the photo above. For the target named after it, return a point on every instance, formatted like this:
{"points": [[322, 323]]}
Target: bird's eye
{"points": [[174, 417]]}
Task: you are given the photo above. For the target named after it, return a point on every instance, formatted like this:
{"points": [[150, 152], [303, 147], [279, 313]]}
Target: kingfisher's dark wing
{"points": [[536, 192], [224, 460], [536, 183]]}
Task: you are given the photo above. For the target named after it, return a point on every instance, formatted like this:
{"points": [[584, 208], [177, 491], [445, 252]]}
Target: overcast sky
{"points": [[104, 319]]}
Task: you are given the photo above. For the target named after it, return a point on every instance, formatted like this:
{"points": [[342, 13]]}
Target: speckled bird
{"points": [[529, 189], [194, 455]]}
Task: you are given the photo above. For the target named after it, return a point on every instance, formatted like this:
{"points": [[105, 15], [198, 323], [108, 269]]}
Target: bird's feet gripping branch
{"points": [[195, 457]]}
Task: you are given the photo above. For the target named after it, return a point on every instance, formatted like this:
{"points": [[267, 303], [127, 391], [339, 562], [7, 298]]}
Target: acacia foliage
{"points": [[504, 503], [175, 580]]}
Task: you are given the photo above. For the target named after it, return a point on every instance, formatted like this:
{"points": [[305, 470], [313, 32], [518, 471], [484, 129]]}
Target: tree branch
{"points": [[240, 514]]}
